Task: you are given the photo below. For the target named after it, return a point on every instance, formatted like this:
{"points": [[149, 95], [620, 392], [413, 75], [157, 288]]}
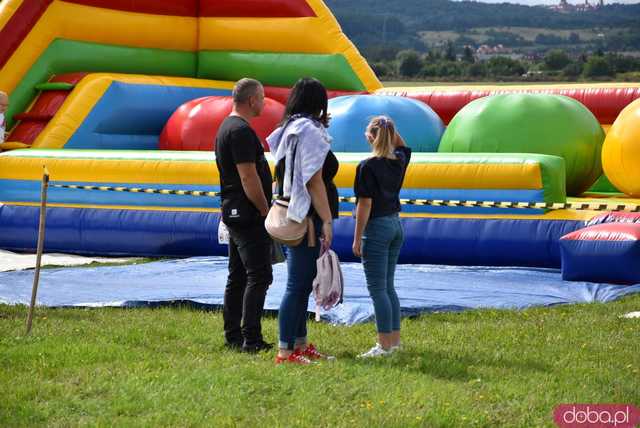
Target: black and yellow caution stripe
{"points": [[576, 206]]}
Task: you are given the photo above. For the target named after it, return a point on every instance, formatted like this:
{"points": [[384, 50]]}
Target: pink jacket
{"points": [[328, 286]]}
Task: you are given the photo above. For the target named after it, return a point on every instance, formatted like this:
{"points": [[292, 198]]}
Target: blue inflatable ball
{"points": [[420, 126]]}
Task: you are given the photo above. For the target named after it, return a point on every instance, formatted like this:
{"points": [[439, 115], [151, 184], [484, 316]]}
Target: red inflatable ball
{"points": [[193, 126]]}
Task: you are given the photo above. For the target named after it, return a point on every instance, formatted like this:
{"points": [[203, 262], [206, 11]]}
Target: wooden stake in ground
{"points": [[41, 229]]}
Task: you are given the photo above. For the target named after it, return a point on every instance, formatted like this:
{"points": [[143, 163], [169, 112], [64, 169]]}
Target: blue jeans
{"points": [[301, 271], [381, 243]]}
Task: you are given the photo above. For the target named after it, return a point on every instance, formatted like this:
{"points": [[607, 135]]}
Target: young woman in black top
{"points": [[302, 142], [378, 235]]}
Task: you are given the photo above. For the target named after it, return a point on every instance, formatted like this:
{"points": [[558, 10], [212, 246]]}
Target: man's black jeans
{"points": [[249, 278]]}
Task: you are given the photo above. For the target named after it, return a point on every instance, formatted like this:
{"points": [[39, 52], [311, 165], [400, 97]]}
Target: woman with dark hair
{"points": [[305, 168]]}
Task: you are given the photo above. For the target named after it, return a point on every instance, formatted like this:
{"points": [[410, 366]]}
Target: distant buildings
{"points": [[565, 7], [491, 50], [485, 52]]}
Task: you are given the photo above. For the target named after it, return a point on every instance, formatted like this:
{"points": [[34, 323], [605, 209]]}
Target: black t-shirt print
{"points": [[381, 180], [237, 142]]}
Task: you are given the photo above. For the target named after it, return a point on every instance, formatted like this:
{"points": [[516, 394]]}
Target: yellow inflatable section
{"points": [[621, 151], [275, 41]]}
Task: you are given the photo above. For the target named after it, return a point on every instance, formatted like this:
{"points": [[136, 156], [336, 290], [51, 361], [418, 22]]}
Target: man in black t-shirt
{"points": [[245, 183]]}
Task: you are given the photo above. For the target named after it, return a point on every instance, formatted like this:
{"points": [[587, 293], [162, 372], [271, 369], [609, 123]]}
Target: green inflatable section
{"points": [[68, 56], [552, 168], [603, 185], [531, 123], [279, 69], [273, 69], [55, 86]]}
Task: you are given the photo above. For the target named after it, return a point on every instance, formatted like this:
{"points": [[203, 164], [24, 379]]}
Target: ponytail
{"points": [[383, 133]]}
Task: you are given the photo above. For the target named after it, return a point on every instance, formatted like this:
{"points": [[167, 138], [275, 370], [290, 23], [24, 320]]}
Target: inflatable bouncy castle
{"points": [[128, 94], [93, 83]]}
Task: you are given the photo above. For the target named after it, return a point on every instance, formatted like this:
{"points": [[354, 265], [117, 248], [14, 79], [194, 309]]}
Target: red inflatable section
{"points": [[194, 125], [46, 106], [615, 217], [606, 232], [282, 94], [256, 8], [19, 25], [604, 103], [156, 7], [209, 8], [607, 253]]}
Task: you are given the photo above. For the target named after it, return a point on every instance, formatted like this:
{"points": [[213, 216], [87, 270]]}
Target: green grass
{"points": [[167, 367]]}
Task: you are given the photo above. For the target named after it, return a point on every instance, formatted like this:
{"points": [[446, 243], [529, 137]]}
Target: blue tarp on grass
{"points": [[201, 281]]}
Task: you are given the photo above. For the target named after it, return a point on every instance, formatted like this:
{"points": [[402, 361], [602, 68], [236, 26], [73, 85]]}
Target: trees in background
{"points": [[409, 63], [449, 63], [556, 59], [598, 66]]}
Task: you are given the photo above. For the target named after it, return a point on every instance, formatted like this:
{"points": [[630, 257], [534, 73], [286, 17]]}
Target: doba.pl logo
{"points": [[596, 416]]}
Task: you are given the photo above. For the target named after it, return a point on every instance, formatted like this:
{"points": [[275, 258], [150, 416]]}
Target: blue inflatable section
{"points": [[201, 282], [419, 125], [112, 232], [453, 241], [131, 117], [615, 262]]}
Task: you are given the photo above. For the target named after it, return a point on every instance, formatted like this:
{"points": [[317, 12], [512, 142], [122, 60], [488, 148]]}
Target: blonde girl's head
{"points": [[381, 134]]}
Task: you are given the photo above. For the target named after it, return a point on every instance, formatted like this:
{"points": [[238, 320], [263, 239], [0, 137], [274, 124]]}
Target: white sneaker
{"points": [[396, 348], [376, 351]]}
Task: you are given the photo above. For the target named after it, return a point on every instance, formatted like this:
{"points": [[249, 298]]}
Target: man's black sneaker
{"points": [[254, 348]]}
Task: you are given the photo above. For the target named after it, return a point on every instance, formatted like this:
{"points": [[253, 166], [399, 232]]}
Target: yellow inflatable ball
{"points": [[621, 151]]}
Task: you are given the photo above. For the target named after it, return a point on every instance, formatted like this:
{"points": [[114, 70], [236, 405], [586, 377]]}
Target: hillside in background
{"points": [[420, 15], [404, 23], [442, 40]]}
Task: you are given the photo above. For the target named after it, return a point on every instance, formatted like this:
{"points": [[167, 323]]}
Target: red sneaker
{"points": [[313, 354], [295, 358]]}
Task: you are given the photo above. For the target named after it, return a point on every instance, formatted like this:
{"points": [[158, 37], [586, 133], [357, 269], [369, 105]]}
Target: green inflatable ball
{"points": [[531, 123]]}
